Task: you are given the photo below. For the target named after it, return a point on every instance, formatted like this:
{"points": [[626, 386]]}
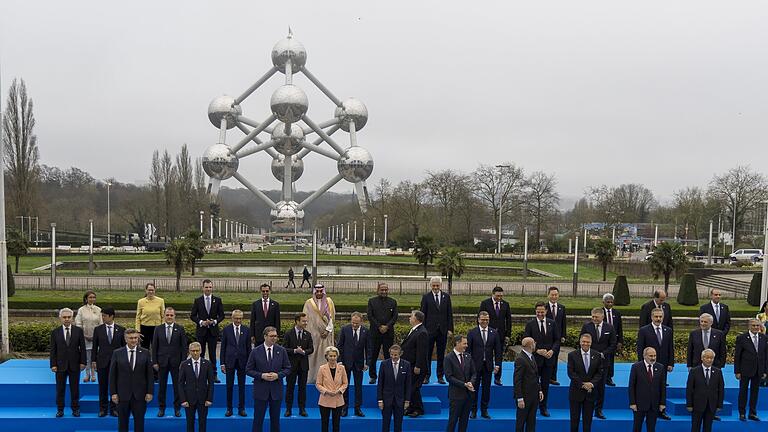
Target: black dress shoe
{"points": [[414, 414], [302, 412], [344, 412], [485, 415], [600, 415], [242, 413], [102, 413], [754, 417], [610, 383], [554, 382], [544, 412], [441, 380], [473, 415], [498, 382], [287, 413], [76, 412], [228, 413], [742, 417], [664, 415], [177, 413], [60, 413], [216, 379], [426, 380], [113, 413], [372, 381], [161, 412], [359, 412], [716, 418]]}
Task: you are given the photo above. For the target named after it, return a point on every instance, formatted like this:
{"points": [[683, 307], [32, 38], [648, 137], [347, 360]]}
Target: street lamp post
{"points": [[733, 234], [576, 268], [374, 233], [109, 227], [3, 245], [211, 227], [525, 255], [219, 229], [501, 209], [656, 237], [201, 223], [709, 247], [53, 255], [386, 221], [355, 237], [363, 232], [90, 246]]}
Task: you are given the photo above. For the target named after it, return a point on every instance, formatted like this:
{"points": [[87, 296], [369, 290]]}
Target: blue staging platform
{"points": [[27, 403]]}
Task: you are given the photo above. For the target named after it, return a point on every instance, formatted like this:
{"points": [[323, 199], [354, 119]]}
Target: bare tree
{"points": [[445, 189], [541, 200], [21, 153], [500, 188], [156, 187], [169, 179], [740, 190], [624, 203], [185, 189], [409, 199]]}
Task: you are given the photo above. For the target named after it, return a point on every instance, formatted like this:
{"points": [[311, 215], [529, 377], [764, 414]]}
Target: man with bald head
{"points": [[647, 391], [720, 313], [526, 386]]}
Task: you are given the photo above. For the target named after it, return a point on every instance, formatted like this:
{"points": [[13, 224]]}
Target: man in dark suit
{"points": [[500, 319], [659, 300], [647, 391], [527, 388], [196, 387], [661, 339], [484, 346], [704, 392], [393, 391], [207, 314], [265, 312], [415, 350], [604, 342], [438, 320], [719, 311], [750, 365], [107, 337], [547, 336], [169, 348], [585, 371], [67, 358], [354, 353], [298, 344], [131, 382], [235, 349], [461, 375], [556, 312], [268, 364], [382, 315], [706, 336], [612, 317]]}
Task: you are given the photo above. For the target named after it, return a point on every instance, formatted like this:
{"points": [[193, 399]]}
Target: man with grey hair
{"points": [[704, 392], [750, 365], [438, 320], [705, 337], [67, 359], [612, 317], [354, 353]]}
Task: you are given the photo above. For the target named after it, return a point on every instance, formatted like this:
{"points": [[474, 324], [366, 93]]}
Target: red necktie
{"points": [[650, 373], [264, 304], [461, 363]]}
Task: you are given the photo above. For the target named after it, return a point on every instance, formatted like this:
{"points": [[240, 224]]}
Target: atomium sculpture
{"points": [[288, 128]]}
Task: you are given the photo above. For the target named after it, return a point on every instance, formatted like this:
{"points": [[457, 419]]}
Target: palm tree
{"points": [[605, 250], [17, 245], [196, 247], [667, 258], [425, 251], [450, 262], [178, 255]]}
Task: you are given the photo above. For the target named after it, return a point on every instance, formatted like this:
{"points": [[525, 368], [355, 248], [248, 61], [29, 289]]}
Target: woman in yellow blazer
{"points": [[150, 311], [331, 382]]}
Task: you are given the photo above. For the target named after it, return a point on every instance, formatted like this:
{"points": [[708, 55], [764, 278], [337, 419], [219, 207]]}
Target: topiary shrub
{"points": [[688, 295], [753, 297], [11, 282], [621, 291]]}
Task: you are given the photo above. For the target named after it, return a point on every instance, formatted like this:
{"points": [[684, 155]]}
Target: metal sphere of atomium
{"points": [[351, 109], [289, 103], [219, 162], [289, 48], [285, 214], [278, 168], [287, 142], [355, 165], [223, 107]]}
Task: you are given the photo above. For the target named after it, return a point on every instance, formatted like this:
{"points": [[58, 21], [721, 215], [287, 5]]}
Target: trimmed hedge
{"points": [[753, 296], [688, 295], [621, 292]]}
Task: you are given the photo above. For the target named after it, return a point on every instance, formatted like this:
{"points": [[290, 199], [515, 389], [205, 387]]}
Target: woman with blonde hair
{"points": [[331, 382], [87, 318], [150, 311]]}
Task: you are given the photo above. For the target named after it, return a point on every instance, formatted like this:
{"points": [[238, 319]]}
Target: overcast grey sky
{"points": [[664, 93]]}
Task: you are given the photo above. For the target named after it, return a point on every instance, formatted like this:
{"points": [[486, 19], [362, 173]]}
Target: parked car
{"points": [[750, 255]]}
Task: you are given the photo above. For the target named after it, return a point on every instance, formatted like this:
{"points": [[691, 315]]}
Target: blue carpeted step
{"points": [[432, 404], [89, 403], [676, 406]]}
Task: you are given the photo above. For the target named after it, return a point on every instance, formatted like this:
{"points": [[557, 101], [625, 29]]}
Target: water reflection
{"points": [[322, 270]]}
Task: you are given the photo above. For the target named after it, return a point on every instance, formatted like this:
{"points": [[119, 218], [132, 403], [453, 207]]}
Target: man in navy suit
{"points": [[169, 349], [556, 312], [235, 349], [393, 391], [207, 313], [265, 312], [461, 374], [526, 387], [585, 371], [131, 382], [500, 319], [612, 317], [438, 320], [415, 350], [706, 336], [647, 391], [659, 300], [299, 345], [196, 387], [267, 364], [604, 342], [547, 337], [355, 349], [484, 345], [720, 313], [107, 337], [67, 359], [661, 339], [750, 365], [704, 392]]}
